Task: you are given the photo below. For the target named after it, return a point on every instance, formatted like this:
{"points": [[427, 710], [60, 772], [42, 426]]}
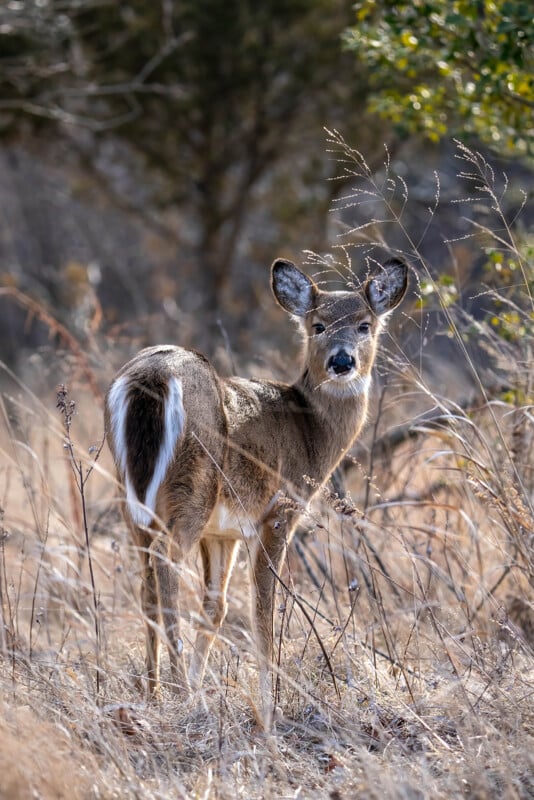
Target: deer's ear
{"points": [[386, 289], [292, 288]]}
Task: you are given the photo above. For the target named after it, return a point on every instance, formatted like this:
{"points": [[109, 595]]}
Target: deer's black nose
{"points": [[341, 362]]}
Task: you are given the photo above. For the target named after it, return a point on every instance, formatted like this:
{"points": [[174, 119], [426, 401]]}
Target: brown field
{"points": [[406, 628]]}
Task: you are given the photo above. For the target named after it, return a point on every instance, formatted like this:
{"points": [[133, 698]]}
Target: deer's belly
{"points": [[229, 524]]}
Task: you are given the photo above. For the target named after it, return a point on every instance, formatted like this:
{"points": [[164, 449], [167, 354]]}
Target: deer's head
{"points": [[341, 328]]}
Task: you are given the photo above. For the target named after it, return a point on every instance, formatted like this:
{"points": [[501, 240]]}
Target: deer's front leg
{"points": [[274, 536], [218, 557]]}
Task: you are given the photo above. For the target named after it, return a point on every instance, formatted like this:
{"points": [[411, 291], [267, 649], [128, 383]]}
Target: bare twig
{"points": [[67, 409]]}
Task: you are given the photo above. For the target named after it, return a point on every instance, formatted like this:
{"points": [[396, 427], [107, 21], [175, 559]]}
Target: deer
{"points": [[206, 461]]}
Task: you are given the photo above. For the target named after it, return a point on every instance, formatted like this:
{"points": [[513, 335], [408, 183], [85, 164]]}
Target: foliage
{"points": [[445, 68]]}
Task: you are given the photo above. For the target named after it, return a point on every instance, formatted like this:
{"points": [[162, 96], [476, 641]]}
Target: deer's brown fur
{"points": [[207, 461]]}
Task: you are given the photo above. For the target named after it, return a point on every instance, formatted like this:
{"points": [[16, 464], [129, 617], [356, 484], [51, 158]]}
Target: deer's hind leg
{"points": [[159, 604], [150, 605], [165, 560], [189, 498]]}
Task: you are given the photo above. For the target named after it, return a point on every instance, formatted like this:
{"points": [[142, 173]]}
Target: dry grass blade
{"points": [[406, 614]]}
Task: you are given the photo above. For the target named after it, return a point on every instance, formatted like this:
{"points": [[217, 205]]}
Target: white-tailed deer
{"points": [[207, 461]]}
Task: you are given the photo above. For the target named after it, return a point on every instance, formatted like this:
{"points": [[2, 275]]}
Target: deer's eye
{"points": [[318, 327], [364, 327]]}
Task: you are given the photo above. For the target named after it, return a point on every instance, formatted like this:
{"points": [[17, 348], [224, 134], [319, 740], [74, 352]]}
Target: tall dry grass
{"points": [[405, 620]]}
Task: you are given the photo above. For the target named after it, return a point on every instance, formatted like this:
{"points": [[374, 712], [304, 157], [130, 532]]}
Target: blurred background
{"points": [[156, 157]]}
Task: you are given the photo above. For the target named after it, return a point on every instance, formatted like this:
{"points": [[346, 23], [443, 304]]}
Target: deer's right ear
{"points": [[388, 286], [292, 288]]}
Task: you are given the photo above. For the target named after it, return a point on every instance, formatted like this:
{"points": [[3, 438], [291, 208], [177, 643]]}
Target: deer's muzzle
{"points": [[341, 362]]}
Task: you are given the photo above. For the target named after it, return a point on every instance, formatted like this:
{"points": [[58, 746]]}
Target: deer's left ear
{"points": [[385, 290]]}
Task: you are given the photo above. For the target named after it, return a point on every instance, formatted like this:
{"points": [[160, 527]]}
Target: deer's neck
{"points": [[337, 413]]}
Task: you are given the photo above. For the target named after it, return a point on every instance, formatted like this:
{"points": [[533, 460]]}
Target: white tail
{"points": [[206, 460]]}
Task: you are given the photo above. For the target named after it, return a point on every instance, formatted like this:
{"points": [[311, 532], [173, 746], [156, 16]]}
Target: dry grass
{"points": [[426, 691], [410, 675]]}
